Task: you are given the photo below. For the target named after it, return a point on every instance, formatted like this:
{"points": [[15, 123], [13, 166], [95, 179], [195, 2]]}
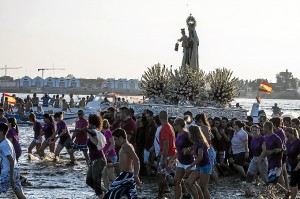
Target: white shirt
{"points": [[237, 142], [6, 148], [156, 143]]}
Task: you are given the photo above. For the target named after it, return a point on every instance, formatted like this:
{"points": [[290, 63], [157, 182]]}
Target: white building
{"points": [[73, 83], [61, 82], [37, 82], [133, 84], [121, 84], [25, 82], [49, 82]]}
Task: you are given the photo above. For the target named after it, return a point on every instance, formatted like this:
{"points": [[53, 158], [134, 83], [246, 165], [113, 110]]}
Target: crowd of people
{"points": [[23, 106], [182, 152]]}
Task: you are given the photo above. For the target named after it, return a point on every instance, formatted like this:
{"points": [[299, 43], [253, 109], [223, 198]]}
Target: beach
{"points": [[47, 179]]}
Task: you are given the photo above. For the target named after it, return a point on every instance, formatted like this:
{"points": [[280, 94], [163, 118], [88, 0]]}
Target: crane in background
{"points": [[5, 69], [43, 69]]}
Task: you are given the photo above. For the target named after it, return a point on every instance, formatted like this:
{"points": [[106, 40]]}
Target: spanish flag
{"points": [[11, 99], [265, 87]]}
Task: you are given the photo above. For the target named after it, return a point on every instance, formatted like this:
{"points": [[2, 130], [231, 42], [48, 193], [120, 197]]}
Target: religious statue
{"points": [[190, 44]]}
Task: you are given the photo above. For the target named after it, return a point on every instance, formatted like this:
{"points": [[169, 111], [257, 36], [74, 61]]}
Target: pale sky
{"points": [[120, 39]]}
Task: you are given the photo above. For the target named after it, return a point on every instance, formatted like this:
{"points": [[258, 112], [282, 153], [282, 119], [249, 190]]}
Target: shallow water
{"points": [[57, 180]]}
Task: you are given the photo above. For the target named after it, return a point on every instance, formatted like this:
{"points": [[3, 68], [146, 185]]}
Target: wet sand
{"points": [[58, 180]]}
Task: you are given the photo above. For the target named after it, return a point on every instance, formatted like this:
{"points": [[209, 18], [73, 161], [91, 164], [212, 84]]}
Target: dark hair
{"points": [[239, 123], [131, 111], [188, 113], [292, 131], [32, 116], [180, 122], [287, 119], [125, 110], [112, 109], [13, 123], [48, 116], [202, 117], [277, 121], [149, 112], [157, 121], [250, 118], [80, 111], [58, 114], [3, 128], [225, 118], [96, 120], [1, 110], [119, 133], [296, 121], [268, 125], [217, 119]]}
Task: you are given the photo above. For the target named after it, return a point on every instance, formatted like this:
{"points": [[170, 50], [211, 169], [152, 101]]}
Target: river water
{"points": [[52, 180]]}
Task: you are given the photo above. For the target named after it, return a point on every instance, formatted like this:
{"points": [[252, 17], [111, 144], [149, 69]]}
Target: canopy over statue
{"points": [[190, 44]]}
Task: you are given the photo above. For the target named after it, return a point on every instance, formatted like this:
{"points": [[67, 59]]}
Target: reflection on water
{"points": [[57, 180]]}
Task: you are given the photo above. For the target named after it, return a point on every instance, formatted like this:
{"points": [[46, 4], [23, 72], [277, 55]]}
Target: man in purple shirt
{"points": [[273, 148]]}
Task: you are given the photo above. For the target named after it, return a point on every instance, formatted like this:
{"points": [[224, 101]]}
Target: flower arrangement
{"points": [[223, 87], [186, 85], [154, 83]]}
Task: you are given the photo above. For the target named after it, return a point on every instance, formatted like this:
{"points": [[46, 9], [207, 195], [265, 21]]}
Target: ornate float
{"points": [[188, 88]]}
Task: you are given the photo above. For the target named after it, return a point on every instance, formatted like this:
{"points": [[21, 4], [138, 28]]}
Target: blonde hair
{"points": [[106, 124], [197, 135]]}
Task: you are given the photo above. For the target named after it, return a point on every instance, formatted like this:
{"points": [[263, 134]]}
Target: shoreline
{"points": [[75, 91], [95, 91]]}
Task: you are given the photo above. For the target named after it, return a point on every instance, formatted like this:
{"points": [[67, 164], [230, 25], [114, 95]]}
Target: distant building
{"points": [[121, 84], [7, 81], [25, 82], [73, 83], [61, 82], [37, 82], [49, 82]]}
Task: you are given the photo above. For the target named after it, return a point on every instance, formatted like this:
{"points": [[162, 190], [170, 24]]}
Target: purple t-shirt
{"points": [[60, 127], [37, 127], [205, 158], [273, 142], [293, 150], [12, 134], [94, 153], [108, 135], [256, 145], [183, 141], [48, 129], [281, 134]]}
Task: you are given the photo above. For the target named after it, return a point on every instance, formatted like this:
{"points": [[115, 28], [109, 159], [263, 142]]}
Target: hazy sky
{"points": [[120, 39]]}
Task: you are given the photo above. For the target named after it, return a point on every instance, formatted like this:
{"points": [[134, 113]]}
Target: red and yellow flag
{"points": [[265, 87], [11, 99]]}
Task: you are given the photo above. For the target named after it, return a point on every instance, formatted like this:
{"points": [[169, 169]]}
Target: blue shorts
{"points": [[5, 181], [273, 174], [212, 155], [206, 169]]}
